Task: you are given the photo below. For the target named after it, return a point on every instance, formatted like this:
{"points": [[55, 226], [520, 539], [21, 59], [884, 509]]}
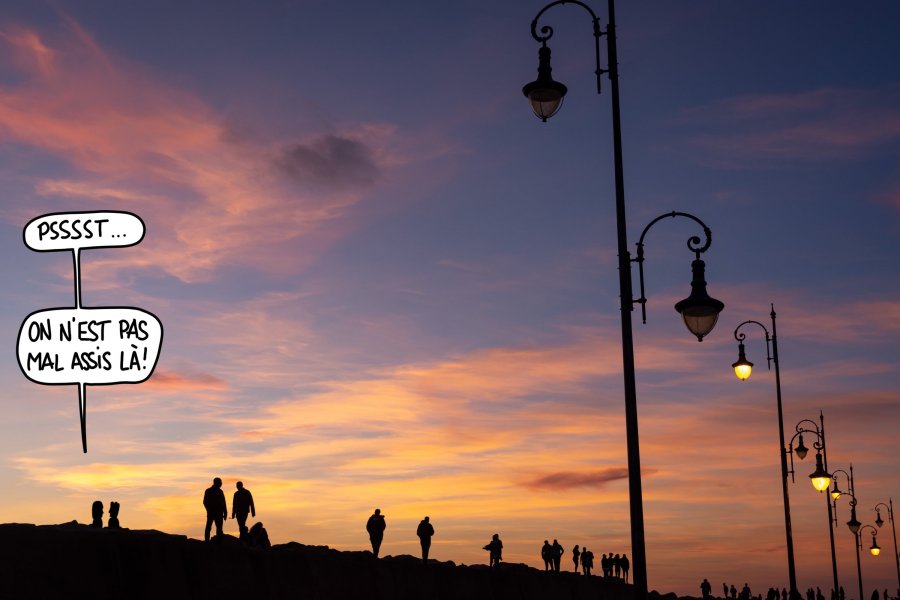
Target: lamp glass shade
{"points": [[699, 311], [836, 492], [802, 451], [875, 549], [853, 524], [742, 367], [878, 520], [820, 478], [544, 94]]}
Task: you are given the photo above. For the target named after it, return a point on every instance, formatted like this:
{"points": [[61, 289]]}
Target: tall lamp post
{"points": [[820, 478], [853, 524], [879, 521], [742, 368], [699, 311]]}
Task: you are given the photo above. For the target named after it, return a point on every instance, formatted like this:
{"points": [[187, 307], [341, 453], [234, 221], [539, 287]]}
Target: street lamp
{"points": [[698, 310], [853, 524], [743, 368], [874, 549], [879, 521], [820, 478]]}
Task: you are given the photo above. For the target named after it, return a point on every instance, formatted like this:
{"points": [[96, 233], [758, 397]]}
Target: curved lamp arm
{"points": [[693, 244], [547, 32]]}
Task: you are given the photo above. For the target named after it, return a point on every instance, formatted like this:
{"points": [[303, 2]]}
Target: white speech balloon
{"points": [[77, 230], [92, 346]]}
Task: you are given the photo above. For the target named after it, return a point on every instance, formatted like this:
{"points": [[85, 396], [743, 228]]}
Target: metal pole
{"points": [[828, 506], [792, 574], [638, 550], [894, 530], [856, 535]]}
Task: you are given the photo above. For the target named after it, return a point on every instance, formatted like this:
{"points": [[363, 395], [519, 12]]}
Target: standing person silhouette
{"points": [[495, 548], [705, 589], [241, 506], [376, 526], [556, 554], [216, 510], [575, 555], [626, 565], [425, 530], [547, 554]]}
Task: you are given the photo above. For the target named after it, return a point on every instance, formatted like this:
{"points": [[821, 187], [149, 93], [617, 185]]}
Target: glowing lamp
{"points": [[836, 492], [544, 94], [875, 549], [820, 478], [743, 367]]}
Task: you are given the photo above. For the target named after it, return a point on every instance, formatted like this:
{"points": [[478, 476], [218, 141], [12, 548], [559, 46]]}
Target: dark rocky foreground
{"points": [[76, 561]]}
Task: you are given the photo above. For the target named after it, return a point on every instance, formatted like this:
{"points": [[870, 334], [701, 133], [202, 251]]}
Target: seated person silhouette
{"points": [[113, 515], [258, 537], [97, 513]]}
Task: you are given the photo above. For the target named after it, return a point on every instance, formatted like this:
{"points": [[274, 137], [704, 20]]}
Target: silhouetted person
{"points": [[587, 561], [616, 565], [556, 555], [810, 594], [745, 592], [113, 515], [821, 596], [784, 594], [241, 506], [258, 537], [841, 595], [705, 589], [576, 554], [495, 548], [546, 554], [216, 510], [97, 514], [606, 566], [725, 591], [425, 531], [734, 593], [875, 595], [626, 565], [376, 526]]}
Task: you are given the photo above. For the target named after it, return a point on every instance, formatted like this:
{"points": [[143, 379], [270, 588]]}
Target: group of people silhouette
{"points": [[731, 593], [242, 506], [612, 567]]}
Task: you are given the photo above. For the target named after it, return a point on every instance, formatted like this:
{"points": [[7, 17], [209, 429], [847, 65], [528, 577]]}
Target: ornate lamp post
{"points": [[820, 478], [743, 368], [879, 521], [853, 524], [699, 311]]}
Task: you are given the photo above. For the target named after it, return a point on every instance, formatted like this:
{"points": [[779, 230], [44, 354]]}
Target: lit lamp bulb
{"points": [[743, 367], [875, 549], [820, 478]]}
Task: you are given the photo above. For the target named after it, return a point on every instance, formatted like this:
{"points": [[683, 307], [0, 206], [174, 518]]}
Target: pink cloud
{"points": [[141, 144]]}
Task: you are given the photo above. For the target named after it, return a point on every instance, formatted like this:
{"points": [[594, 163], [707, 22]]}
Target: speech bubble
{"points": [[77, 230], [89, 346]]}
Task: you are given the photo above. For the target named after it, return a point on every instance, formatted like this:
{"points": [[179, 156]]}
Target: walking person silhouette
{"points": [[241, 506], [216, 510]]}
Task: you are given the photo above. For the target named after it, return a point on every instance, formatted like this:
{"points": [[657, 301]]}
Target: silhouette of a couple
{"points": [[217, 511]]}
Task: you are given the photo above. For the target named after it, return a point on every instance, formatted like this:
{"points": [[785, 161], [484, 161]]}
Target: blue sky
{"points": [[384, 283]]}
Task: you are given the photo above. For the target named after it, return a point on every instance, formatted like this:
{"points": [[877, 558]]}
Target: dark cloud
{"points": [[330, 160], [565, 480]]}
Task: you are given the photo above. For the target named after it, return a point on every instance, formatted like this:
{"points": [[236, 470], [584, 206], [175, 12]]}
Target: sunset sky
{"points": [[384, 283]]}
